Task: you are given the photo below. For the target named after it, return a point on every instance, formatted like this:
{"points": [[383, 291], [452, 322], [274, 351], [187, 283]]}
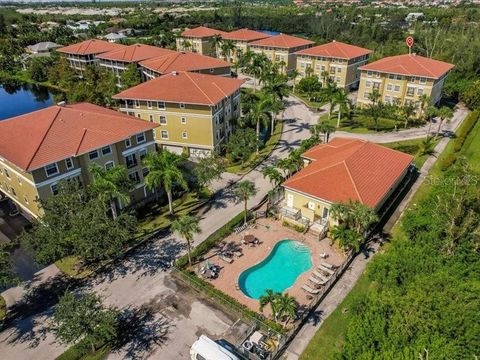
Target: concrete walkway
{"points": [[358, 265]]}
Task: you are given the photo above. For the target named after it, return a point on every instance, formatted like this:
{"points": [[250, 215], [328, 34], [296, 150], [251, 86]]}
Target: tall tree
{"points": [[111, 185], [187, 227], [130, 77], [270, 298], [83, 319], [7, 277], [273, 175], [208, 169], [163, 169], [444, 114], [258, 115], [244, 190], [242, 144], [343, 102]]}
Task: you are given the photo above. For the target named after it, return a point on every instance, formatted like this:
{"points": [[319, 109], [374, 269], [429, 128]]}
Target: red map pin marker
{"points": [[410, 41]]}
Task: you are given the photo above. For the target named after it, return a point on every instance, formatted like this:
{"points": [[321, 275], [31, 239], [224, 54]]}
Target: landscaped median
{"points": [[406, 257]]}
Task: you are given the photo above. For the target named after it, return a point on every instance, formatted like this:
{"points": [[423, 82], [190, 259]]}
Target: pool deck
{"points": [[269, 232]]}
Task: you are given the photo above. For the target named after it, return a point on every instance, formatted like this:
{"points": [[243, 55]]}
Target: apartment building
{"points": [[184, 61], [62, 142], [281, 49], [83, 54], [241, 39], [118, 61], [403, 79], [200, 40], [336, 62], [195, 111]]}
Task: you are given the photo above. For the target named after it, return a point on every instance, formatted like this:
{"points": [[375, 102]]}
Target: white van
{"points": [[207, 349]]}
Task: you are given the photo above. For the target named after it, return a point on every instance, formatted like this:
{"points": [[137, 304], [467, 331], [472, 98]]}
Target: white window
{"points": [[54, 189], [366, 95], [137, 103], [399, 77], [184, 135], [149, 104], [311, 205], [128, 143], [369, 73], [139, 116], [397, 88], [184, 119], [162, 120], [109, 165], [389, 87], [391, 76], [302, 65], [140, 138], [410, 91], [413, 79], [142, 153], [388, 99], [150, 117], [93, 154], [14, 193], [160, 105], [51, 169], [6, 173], [106, 150], [181, 105], [164, 134], [423, 80], [339, 69], [420, 91]]}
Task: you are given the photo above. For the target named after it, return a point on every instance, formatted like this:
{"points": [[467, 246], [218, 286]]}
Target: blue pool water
{"points": [[278, 271]]}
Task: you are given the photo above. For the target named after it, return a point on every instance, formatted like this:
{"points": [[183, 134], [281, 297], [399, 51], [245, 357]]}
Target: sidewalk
{"points": [[345, 284]]}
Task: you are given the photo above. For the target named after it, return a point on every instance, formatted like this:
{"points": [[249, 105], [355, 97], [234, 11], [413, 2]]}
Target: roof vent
{"points": [[334, 41], [61, 103], [174, 73]]}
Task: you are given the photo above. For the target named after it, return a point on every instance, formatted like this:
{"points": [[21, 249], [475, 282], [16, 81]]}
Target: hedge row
{"points": [[458, 142], [210, 241]]}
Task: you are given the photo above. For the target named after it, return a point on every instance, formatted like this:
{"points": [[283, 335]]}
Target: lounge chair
{"points": [[310, 290], [327, 270], [327, 265], [226, 259], [238, 254], [316, 281], [320, 276], [323, 255]]}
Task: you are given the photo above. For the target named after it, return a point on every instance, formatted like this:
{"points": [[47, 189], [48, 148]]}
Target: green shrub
{"points": [[81, 352], [447, 161], [296, 227]]}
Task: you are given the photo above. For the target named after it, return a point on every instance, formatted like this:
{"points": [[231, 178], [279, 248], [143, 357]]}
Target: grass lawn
{"points": [[412, 147], [330, 337], [3, 309], [69, 266], [362, 124], [263, 154], [313, 104]]}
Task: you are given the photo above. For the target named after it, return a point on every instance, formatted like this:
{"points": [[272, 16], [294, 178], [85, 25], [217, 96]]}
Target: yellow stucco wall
{"points": [[311, 208]]}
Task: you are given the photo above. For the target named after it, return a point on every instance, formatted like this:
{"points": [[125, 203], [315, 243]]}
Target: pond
{"points": [[17, 98]]}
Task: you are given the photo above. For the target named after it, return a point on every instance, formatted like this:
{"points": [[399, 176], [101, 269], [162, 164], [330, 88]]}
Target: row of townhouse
{"points": [[151, 61], [401, 79], [63, 142]]}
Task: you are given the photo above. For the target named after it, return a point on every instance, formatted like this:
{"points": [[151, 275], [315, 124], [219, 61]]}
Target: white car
{"points": [[207, 349]]}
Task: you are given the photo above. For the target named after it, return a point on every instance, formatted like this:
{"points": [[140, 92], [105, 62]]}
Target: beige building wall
{"points": [[203, 46], [79, 63], [310, 207], [343, 72], [398, 88], [195, 129], [277, 55], [24, 188]]}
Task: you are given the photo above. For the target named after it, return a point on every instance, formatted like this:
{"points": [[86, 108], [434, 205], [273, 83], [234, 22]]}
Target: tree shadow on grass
{"points": [[140, 332]]}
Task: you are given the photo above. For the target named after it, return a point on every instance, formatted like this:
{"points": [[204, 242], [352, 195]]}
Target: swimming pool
{"points": [[278, 271]]}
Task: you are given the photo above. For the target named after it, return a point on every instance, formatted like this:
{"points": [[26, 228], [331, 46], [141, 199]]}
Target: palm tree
{"points": [[286, 307], [186, 44], [427, 147], [187, 227], [226, 48], [407, 112], [111, 184], [163, 168], [256, 67], [444, 114], [424, 101], [375, 96], [273, 175], [258, 114], [325, 78], [294, 75], [348, 239], [331, 93], [430, 113], [326, 128], [270, 298], [308, 71], [216, 42], [244, 190], [343, 102], [275, 106]]}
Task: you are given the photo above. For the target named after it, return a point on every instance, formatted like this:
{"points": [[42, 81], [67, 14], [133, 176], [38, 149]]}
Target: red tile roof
{"points": [[245, 35], [59, 132], [183, 61], [135, 53], [282, 41], [183, 87], [410, 65], [336, 49], [202, 31], [90, 47], [350, 169]]}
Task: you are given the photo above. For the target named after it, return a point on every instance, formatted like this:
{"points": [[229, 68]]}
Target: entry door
{"points": [[325, 213], [290, 200]]}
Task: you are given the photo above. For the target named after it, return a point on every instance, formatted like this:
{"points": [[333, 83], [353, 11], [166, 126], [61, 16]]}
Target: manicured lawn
{"points": [[69, 266], [361, 124], [313, 104], [412, 147], [330, 337], [263, 154], [3, 309]]}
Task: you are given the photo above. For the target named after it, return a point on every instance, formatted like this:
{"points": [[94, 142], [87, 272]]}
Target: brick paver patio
{"points": [[268, 232]]}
